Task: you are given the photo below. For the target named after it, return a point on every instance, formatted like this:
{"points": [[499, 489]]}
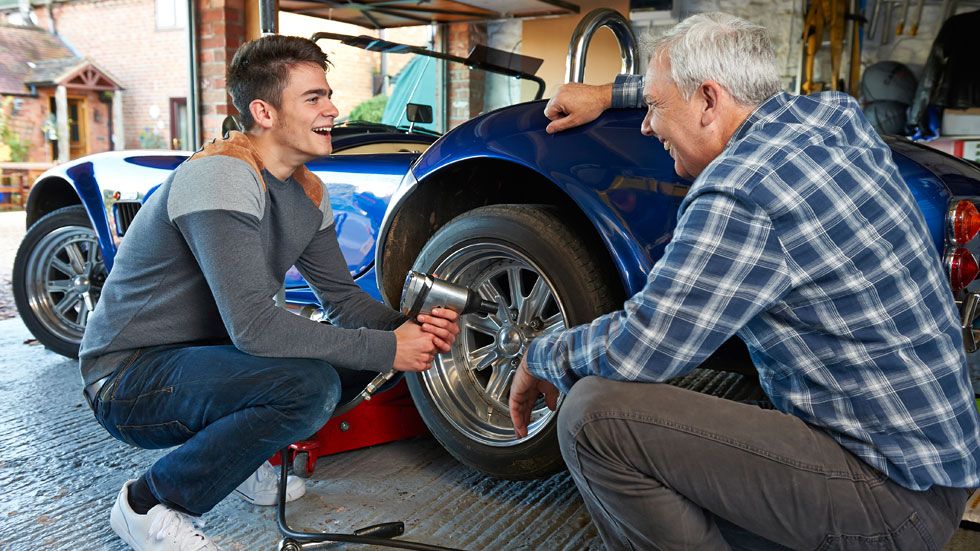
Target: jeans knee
{"points": [[313, 391]]}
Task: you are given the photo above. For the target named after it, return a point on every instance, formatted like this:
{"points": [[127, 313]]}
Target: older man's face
{"points": [[676, 122]]}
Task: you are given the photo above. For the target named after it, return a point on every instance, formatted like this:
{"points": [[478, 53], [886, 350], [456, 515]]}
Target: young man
{"points": [[799, 236], [187, 348]]}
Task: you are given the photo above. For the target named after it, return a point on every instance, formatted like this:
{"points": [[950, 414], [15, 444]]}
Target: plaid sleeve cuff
{"points": [[627, 91], [544, 363]]}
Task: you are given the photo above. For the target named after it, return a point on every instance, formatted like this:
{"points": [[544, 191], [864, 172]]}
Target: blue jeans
{"points": [[226, 410]]}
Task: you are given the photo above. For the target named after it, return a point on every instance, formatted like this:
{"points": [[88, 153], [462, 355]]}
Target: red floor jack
{"points": [[365, 420], [388, 416]]}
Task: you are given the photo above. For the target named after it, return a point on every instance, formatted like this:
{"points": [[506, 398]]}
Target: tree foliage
{"points": [[370, 110]]}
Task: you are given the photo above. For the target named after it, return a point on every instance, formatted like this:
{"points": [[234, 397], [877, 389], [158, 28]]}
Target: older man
{"points": [[799, 236]]}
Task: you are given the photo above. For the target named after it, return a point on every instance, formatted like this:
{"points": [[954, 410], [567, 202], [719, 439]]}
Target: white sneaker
{"points": [[160, 529], [261, 488]]}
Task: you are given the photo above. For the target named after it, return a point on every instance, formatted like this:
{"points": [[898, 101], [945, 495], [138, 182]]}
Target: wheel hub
{"points": [[81, 283], [511, 340]]}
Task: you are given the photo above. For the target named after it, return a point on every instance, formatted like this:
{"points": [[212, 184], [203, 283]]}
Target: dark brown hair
{"points": [[260, 70]]}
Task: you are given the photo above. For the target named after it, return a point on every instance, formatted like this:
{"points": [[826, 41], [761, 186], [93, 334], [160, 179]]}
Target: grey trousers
{"points": [[661, 467]]}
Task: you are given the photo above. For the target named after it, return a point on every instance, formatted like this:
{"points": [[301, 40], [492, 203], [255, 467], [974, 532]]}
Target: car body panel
{"points": [[96, 178]]}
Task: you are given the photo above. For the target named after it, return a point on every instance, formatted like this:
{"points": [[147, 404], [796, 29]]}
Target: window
{"points": [[171, 14]]}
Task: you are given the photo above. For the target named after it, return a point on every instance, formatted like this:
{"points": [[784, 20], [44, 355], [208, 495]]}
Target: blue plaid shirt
{"points": [[802, 239]]}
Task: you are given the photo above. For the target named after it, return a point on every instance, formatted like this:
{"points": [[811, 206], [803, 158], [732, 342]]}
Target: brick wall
{"points": [[466, 87], [27, 124], [221, 30], [121, 37], [33, 112]]}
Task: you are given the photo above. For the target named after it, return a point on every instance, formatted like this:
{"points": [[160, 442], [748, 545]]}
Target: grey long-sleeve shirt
{"points": [[204, 259]]}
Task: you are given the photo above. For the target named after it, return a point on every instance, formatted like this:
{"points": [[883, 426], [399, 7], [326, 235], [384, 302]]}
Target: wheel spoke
{"points": [[489, 290], [59, 265], [478, 357], [516, 290], [480, 324], [66, 303], [498, 387], [87, 301], [76, 258], [553, 323], [82, 317], [92, 258], [535, 302], [490, 359], [59, 286]]}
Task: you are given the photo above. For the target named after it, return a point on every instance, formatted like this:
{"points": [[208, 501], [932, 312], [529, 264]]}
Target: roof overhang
{"points": [[74, 73], [383, 14]]}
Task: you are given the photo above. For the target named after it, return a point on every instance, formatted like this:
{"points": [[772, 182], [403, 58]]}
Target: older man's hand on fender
{"points": [[577, 104], [524, 392]]}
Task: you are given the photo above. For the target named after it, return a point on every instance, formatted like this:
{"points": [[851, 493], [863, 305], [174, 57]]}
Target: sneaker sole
{"points": [[290, 496], [116, 518]]}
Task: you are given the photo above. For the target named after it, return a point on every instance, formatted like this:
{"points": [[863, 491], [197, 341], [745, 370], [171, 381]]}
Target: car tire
{"points": [[506, 250], [58, 261]]}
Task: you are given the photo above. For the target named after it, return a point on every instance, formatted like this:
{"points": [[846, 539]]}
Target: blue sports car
{"points": [[562, 227]]}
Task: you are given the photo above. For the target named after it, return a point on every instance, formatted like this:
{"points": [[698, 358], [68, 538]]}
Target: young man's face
{"points": [[674, 121], [305, 116]]}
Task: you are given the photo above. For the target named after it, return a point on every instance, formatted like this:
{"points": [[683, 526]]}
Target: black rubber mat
{"points": [[723, 384]]}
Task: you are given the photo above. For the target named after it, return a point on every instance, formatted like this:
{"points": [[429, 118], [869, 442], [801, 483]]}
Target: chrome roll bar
{"points": [[582, 36]]}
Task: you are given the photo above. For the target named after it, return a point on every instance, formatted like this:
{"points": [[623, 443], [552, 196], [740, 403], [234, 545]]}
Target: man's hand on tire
{"points": [[414, 348], [524, 392]]}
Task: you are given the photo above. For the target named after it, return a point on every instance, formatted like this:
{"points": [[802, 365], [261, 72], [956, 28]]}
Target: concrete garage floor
{"points": [[60, 472]]}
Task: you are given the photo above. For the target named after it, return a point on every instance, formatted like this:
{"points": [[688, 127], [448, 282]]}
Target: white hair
{"points": [[731, 51]]}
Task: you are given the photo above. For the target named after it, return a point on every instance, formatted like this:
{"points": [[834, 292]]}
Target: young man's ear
{"points": [[263, 113]]}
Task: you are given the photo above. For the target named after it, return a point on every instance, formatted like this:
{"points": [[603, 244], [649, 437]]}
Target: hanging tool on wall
{"points": [[900, 28], [918, 18], [873, 20], [823, 14], [856, 21]]}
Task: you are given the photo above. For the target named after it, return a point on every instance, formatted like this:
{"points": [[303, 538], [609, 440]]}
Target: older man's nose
{"points": [[646, 129]]}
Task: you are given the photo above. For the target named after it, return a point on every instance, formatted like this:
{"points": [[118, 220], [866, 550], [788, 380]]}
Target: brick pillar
{"points": [[221, 30], [466, 87]]}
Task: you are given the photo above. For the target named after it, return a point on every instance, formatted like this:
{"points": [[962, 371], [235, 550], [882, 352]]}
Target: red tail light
{"points": [[964, 222], [963, 268]]}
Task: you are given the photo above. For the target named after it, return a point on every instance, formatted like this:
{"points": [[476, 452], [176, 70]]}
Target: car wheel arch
{"points": [[48, 195], [466, 185]]}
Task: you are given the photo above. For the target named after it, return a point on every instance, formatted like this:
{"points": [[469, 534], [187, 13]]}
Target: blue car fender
{"points": [[622, 182]]}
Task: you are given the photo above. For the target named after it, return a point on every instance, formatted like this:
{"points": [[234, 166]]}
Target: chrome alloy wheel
{"points": [[471, 384], [65, 274]]}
